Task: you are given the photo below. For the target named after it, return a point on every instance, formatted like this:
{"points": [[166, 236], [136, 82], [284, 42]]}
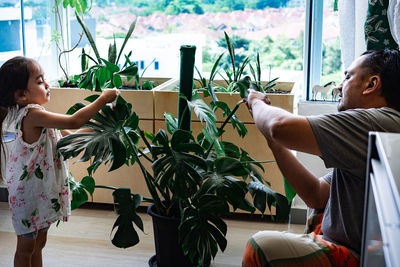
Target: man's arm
{"points": [[278, 125], [283, 130], [313, 191]]}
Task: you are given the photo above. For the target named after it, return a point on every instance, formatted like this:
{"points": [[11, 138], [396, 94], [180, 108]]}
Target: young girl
{"points": [[36, 174]]}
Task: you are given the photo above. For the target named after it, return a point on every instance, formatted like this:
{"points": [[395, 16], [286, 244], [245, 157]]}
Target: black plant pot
{"points": [[168, 250]]}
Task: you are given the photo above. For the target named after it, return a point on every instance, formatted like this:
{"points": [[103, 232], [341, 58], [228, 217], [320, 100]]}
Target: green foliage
{"points": [[195, 180], [79, 189], [104, 73], [79, 6], [331, 57], [125, 206]]}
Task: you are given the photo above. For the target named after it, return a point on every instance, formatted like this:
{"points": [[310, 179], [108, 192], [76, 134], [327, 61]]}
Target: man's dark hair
{"points": [[386, 63]]}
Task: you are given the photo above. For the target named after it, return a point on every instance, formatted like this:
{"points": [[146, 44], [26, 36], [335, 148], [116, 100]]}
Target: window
{"points": [[323, 64], [276, 29], [25, 29]]}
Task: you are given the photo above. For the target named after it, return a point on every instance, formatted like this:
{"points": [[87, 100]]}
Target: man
{"points": [[369, 101]]}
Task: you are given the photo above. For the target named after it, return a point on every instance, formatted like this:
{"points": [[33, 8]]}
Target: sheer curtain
{"points": [[352, 16], [393, 14]]}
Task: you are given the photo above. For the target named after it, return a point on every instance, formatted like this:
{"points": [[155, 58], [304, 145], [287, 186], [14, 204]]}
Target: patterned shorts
{"points": [[273, 248]]}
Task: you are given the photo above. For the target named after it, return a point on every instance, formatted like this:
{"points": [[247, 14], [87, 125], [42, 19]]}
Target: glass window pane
{"points": [[10, 30], [275, 29], [332, 72], [38, 35]]}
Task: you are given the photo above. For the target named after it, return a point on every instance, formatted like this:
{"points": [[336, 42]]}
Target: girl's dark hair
{"points": [[386, 64], [14, 76]]}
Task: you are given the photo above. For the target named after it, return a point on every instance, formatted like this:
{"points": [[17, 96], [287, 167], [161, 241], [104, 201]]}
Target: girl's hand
{"points": [[109, 95]]}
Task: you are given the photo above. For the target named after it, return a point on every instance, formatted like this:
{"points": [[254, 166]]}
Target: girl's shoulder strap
{"points": [[23, 111], [34, 106]]}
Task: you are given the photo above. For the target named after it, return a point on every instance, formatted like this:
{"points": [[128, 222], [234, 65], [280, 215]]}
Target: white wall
{"points": [[313, 163]]}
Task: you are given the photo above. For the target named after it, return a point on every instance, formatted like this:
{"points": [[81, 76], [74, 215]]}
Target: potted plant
{"points": [[195, 181], [225, 95], [99, 72]]}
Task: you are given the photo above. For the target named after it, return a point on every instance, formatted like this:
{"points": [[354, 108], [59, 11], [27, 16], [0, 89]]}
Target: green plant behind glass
{"points": [[104, 73]]}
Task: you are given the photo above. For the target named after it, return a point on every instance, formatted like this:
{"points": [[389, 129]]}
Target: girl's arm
{"points": [[37, 118], [68, 132]]}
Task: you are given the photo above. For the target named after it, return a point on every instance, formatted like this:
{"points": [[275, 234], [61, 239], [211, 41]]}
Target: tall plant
{"points": [[188, 178]]}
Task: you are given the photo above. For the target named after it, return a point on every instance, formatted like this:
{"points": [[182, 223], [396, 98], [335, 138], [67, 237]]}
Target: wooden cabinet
{"points": [[150, 107]]}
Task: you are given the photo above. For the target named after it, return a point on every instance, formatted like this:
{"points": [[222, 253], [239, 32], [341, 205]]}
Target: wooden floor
{"points": [[85, 241]]}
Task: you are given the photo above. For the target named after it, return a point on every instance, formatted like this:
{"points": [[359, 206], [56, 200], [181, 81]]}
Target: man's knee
{"points": [[271, 246]]}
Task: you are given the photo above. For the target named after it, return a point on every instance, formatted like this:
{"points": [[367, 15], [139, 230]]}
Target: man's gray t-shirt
{"points": [[343, 141]]}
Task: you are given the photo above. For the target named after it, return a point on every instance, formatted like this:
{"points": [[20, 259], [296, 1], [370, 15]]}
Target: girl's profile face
{"points": [[37, 91]]}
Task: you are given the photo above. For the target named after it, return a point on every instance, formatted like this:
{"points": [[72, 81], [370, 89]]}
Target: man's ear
{"points": [[374, 84]]}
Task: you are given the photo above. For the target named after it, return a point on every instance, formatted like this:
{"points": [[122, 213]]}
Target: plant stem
{"points": [[223, 125], [146, 174], [186, 85]]}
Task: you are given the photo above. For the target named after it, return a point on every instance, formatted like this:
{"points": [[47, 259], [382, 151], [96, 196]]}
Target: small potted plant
{"points": [[192, 181]]}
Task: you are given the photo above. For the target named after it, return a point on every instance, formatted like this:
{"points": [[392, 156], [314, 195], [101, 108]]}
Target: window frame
{"points": [[312, 54]]}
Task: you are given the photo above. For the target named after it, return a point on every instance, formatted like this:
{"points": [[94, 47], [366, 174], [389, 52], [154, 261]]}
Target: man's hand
{"points": [[253, 97], [109, 95]]}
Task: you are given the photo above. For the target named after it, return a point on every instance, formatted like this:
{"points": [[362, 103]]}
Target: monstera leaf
{"points": [[262, 195], [201, 225], [105, 142], [79, 189], [125, 206], [222, 183], [176, 168]]}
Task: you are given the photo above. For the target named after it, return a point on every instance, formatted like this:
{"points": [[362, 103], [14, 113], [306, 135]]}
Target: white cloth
{"points": [[352, 15], [37, 180], [393, 14]]}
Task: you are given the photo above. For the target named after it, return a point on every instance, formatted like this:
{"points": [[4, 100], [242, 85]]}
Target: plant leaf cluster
{"points": [[104, 73], [194, 179], [235, 74]]}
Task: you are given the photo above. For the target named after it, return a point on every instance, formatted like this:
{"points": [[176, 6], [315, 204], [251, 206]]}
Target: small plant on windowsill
{"points": [[98, 72]]}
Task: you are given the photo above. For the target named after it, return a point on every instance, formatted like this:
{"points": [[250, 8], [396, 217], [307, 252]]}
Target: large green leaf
{"points": [[221, 183], [78, 190], [201, 225], [177, 166], [105, 142], [204, 113], [129, 71], [125, 206], [263, 195]]}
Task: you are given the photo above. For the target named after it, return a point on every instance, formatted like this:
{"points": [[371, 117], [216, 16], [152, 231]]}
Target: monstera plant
{"points": [[194, 179], [191, 178]]}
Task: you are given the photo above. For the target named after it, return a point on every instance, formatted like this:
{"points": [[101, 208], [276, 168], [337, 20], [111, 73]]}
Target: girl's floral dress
{"points": [[37, 180]]}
